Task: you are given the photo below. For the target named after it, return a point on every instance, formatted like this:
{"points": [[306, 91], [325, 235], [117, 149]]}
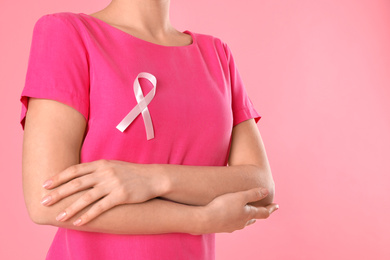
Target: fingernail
{"points": [[77, 222], [250, 222], [61, 216], [47, 183], [46, 200], [275, 208]]}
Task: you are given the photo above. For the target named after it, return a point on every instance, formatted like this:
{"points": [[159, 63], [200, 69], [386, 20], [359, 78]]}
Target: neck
{"points": [[150, 16]]}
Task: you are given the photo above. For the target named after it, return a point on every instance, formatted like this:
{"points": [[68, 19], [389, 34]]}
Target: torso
{"points": [[191, 114]]}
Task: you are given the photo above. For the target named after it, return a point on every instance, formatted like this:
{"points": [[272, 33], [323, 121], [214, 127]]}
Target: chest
{"points": [[191, 89], [190, 111]]}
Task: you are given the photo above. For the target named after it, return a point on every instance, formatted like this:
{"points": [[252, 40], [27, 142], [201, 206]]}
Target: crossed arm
{"points": [[200, 199]]}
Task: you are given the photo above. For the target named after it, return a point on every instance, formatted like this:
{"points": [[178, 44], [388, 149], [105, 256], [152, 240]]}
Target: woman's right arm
{"points": [[53, 136]]}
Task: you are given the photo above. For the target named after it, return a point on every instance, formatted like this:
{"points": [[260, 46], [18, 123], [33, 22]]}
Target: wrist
{"points": [[162, 181], [201, 221]]}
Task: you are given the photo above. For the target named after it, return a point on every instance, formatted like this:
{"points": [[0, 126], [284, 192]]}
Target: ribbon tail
{"points": [[148, 124], [129, 118]]}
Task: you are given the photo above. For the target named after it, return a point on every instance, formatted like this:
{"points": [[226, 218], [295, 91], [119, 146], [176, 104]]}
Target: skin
{"points": [[119, 197], [147, 20]]}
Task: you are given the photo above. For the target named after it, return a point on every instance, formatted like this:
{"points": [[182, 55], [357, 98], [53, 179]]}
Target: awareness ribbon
{"points": [[142, 106]]}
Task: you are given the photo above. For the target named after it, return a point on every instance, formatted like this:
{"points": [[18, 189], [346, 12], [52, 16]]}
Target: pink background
{"points": [[319, 74]]}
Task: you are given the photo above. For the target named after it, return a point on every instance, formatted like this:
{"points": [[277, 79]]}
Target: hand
{"points": [[230, 212], [113, 182]]}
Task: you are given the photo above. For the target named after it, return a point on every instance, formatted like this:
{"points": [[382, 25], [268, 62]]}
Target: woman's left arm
{"points": [[194, 185], [248, 168]]}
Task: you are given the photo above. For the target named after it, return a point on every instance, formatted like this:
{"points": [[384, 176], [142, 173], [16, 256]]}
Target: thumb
{"points": [[255, 194]]}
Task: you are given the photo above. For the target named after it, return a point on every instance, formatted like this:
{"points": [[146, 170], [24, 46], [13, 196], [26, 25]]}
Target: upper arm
{"points": [[53, 135], [55, 106], [247, 147]]}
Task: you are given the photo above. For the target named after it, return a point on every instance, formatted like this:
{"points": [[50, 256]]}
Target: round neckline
{"points": [[139, 39]]}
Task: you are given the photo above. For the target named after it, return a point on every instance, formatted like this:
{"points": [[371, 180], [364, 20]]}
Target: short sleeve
{"points": [[242, 106], [58, 66]]}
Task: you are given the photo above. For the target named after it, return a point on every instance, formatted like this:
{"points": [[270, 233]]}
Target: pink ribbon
{"points": [[142, 106]]}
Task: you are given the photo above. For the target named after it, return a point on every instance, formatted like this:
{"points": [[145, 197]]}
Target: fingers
{"points": [[258, 212], [85, 200], [272, 207], [72, 172], [67, 189], [97, 209], [255, 194]]}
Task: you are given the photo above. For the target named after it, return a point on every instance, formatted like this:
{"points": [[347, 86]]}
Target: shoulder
{"points": [[59, 21], [70, 17], [213, 42], [208, 38], [60, 26]]}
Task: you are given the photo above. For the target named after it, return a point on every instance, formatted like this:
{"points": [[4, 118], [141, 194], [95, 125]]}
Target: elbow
{"points": [[269, 199], [271, 194], [271, 191], [38, 214], [38, 220], [264, 180]]}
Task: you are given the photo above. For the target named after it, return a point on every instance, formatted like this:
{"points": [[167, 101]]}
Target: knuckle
{"points": [[266, 213], [254, 212], [122, 191], [87, 197], [251, 211], [122, 195], [76, 183], [99, 207], [72, 170], [103, 162], [109, 172], [55, 195]]}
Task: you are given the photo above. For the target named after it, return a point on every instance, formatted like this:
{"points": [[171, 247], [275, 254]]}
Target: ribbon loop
{"points": [[142, 105]]}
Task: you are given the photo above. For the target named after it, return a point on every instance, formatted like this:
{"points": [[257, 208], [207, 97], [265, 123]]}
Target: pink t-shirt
{"points": [[199, 96]]}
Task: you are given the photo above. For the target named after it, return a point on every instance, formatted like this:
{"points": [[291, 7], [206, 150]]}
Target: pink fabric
{"points": [[90, 65]]}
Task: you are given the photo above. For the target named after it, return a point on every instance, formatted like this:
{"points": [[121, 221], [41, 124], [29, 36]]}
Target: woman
{"points": [[133, 176]]}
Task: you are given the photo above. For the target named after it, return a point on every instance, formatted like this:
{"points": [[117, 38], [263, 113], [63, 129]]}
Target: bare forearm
{"points": [[198, 185], [155, 216], [48, 150], [226, 213]]}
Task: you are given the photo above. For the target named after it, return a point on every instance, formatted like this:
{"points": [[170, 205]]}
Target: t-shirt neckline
{"points": [[139, 39]]}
